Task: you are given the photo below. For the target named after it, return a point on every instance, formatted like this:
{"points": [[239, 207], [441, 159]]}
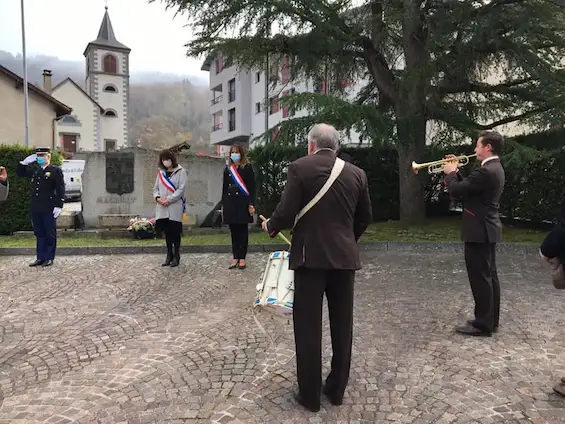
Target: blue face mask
{"points": [[41, 160], [235, 157]]}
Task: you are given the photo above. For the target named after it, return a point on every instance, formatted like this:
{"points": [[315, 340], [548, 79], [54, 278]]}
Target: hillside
{"points": [[165, 108]]}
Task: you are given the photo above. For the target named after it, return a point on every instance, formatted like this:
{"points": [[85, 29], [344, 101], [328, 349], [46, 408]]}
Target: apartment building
{"points": [[237, 102]]}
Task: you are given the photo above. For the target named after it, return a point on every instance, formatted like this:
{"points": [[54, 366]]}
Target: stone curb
{"points": [[254, 248]]}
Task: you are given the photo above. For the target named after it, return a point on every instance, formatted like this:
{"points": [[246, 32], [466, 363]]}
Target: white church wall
{"points": [[84, 110], [116, 102]]}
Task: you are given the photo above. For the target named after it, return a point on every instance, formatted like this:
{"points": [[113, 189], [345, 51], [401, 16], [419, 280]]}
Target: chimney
{"points": [[47, 87]]}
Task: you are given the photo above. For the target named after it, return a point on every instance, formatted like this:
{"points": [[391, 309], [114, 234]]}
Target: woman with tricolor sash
{"points": [[169, 194], [238, 202]]}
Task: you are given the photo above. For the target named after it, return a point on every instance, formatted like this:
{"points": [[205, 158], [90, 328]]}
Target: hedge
{"points": [[535, 179], [14, 212]]}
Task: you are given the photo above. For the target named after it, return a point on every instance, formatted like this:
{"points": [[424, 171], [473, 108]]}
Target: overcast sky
{"points": [[63, 28]]}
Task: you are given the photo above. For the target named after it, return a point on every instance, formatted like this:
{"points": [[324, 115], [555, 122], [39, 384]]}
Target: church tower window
{"points": [[110, 88], [110, 112], [110, 64]]}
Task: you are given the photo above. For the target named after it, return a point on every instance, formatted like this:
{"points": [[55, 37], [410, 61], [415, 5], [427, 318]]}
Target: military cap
{"points": [[42, 150]]}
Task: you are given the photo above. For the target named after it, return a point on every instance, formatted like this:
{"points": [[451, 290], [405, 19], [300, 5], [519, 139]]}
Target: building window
{"points": [[110, 64], [257, 77], [110, 145], [110, 112], [274, 71], [291, 110], [320, 85], [231, 119], [219, 64], [69, 120], [217, 119], [273, 105], [258, 107], [110, 88], [231, 90], [285, 108], [217, 94], [285, 72]]}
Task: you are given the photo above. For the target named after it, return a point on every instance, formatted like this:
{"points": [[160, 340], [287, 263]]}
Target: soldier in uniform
{"points": [[46, 203]]}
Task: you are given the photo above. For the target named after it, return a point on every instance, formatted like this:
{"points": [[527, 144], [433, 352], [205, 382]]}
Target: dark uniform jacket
{"points": [[235, 202], [47, 186], [480, 193], [326, 236], [4, 188]]}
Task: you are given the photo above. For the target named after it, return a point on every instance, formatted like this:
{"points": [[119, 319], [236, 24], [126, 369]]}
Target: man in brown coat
{"points": [[481, 229], [324, 256]]}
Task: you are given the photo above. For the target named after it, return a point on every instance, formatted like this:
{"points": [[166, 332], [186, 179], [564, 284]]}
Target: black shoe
{"points": [[469, 330], [234, 265], [472, 322], [47, 263], [36, 263], [176, 258], [310, 408], [331, 397], [169, 259]]}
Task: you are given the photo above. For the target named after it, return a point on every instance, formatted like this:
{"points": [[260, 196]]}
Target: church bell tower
{"points": [[107, 82]]}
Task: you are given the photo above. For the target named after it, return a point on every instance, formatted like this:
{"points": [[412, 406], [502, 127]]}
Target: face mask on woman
{"points": [[167, 163], [235, 157]]}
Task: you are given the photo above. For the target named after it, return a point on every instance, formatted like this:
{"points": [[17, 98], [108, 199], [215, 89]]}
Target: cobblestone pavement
{"points": [[119, 339]]}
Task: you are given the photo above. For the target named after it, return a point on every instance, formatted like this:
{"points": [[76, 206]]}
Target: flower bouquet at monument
{"points": [[142, 228]]}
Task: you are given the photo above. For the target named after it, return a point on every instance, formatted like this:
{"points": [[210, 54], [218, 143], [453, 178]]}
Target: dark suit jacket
{"points": [[326, 236], [47, 186], [480, 193], [235, 203]]}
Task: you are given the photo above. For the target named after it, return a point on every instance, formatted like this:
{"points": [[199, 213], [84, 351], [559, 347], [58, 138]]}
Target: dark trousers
{"points": [[553, 246], [173, 233], [239, 240], [45, 230], [310, 286], [480, 259]]}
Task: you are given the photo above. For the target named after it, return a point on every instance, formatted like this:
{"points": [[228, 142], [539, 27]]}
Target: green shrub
{"points": [[14, 212], [535, 178]]}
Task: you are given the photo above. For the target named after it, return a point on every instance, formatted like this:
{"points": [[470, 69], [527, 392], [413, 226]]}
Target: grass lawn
{"points": [[432, 231]]}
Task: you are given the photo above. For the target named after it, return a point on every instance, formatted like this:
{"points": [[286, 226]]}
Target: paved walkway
{"points": [[115, 339]]}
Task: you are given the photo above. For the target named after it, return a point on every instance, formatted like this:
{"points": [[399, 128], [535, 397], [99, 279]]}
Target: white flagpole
{"points": [[26, 94]]}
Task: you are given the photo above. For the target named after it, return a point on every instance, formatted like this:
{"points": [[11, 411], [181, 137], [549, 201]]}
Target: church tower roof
{"points": [[106, 37]]}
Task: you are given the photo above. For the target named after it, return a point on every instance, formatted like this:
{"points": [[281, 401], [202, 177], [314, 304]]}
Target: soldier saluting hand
{"points": [[46, 203]]}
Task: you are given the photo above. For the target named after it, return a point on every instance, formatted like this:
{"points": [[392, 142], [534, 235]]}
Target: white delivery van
{"points": [[72, 174]]}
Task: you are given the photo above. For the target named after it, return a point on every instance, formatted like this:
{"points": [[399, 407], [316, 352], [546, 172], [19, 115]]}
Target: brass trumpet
{"points": [[436, 167]]}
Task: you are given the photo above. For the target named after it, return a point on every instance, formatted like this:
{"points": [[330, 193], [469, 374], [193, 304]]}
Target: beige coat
{"points": [[174, 210]]}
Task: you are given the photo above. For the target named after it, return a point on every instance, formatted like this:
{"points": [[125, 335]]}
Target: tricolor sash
{"points": [[238, 180], [171, 187]]}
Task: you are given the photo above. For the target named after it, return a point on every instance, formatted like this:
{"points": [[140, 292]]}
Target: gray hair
{"points": [[324, 136]]}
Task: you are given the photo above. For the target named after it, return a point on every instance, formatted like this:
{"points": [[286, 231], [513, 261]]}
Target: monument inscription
{"points": [[120, 168]]}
